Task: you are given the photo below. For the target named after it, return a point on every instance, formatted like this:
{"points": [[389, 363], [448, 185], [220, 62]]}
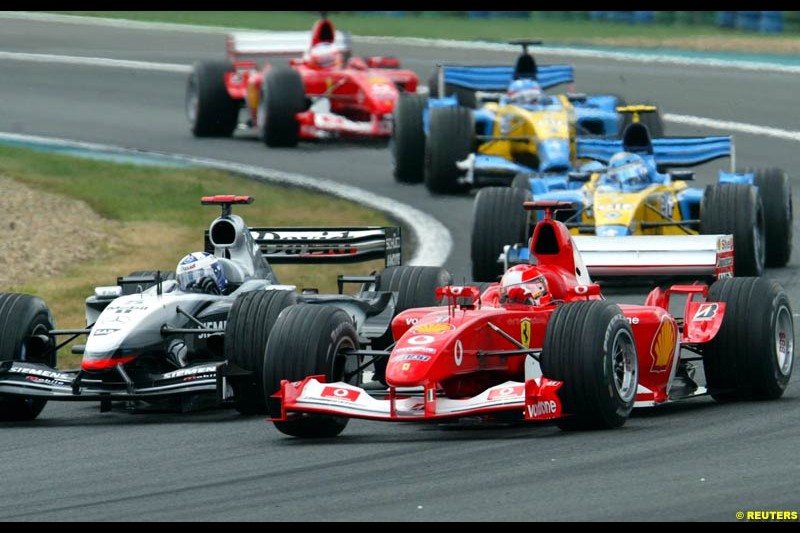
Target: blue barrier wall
{"points": [[755, 21]]}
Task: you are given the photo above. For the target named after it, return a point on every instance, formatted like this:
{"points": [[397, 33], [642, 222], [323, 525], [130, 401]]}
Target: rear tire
{"points": [[522, 181], [498, 219], [22, 316], [735, 208], [308, 340], [210, 110], [752, 355], [589, 346], [775, 190], [451, 139], [250, 321], [282, 97], [415, 287], [408, 139]]}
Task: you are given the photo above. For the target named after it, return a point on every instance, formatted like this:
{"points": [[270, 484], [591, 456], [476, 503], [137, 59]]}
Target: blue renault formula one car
{"points": [[472, 132], [631, 189]]}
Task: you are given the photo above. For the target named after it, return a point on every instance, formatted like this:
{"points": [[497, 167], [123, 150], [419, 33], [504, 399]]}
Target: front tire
{"points": [[408, 139], [451, 139], [23, 317], [308, 340], [589, 346], [752, 355], [250, 322], [282, 97]]}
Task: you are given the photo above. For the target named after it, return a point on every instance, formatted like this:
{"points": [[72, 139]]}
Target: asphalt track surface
{"points": [[689, 461]]}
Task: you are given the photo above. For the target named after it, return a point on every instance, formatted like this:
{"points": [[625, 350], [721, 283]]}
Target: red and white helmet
{"points": [[325, 55], [523, 284]]}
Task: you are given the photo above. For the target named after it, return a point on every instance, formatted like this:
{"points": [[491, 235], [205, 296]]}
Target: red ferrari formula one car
{"points": [[325, 93], [589, 361]]}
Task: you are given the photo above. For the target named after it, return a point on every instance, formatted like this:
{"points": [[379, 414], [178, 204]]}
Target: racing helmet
{"points": [[524, 91], [324, 55], [523, 284], [199, 265], [627, 171]]}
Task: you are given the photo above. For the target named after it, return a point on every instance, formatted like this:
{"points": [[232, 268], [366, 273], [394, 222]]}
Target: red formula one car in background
{"points": [[542, 344], [325, 93]]}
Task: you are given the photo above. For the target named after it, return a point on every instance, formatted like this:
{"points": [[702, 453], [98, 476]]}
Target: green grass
{"points": [[149, 218], [546, 28]]}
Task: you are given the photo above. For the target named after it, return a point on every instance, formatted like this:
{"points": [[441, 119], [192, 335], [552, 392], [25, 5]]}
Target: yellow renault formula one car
{"points": [[632, 189]]}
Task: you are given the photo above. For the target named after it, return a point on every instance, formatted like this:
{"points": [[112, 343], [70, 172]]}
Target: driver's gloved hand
{"points": [[206, 285]]}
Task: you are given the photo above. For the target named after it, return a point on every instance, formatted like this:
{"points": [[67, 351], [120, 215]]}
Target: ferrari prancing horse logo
{"points": [[525, 332]]}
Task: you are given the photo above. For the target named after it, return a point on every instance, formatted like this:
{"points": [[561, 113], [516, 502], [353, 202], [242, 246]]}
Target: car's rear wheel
{"points": [[775, 189], [250, 322], [752, 355], [408, 139], [415, 287], [25, 321], [498, 218], [210, 110], [589, 346], [735, 208], [308, 340], [282, 97], [450, 140], [522, 181]]}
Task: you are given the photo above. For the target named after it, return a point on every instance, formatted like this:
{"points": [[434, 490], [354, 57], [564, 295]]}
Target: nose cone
{"points": [[554, 155], [408, 369], [612, 231], [385, 106], [414, 358]]}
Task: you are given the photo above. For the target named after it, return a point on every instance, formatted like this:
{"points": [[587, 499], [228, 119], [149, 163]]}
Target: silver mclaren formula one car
{"points": [[152, 340]]}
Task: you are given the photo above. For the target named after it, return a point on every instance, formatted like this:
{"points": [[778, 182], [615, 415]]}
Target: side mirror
{"points": [[576, 97]]}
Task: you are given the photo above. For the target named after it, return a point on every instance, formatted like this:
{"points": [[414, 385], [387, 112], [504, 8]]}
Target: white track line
{"points": [[733, 126], [96, 62], [185, 69], [433, 239]]}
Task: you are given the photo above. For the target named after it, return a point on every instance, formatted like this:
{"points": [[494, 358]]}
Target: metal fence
{"points": [[755, 21]]}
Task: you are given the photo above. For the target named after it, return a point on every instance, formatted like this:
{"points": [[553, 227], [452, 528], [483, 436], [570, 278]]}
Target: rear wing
{"points": [[318, 245], [708, 256], [277, 43], [498, 78], [667, 151]]}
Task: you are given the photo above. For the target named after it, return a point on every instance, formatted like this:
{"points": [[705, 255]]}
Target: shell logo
{"points": [[433, 328], [663, 346]]}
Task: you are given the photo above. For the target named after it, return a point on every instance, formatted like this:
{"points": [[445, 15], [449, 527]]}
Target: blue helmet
{"points": [[199, 265], [627, 171], [524, 91]]}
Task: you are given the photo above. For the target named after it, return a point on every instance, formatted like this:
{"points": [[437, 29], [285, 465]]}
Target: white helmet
{"points": [[199, 265]]}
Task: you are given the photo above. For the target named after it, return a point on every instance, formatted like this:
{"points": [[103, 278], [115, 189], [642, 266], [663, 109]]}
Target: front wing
{"points": [[40, 381], [536, 398]]}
